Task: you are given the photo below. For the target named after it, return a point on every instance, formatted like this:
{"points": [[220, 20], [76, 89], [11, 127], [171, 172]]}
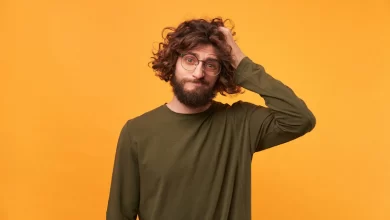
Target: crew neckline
{"points": [[188, 115]]}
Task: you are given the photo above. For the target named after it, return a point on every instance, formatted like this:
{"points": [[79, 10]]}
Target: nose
{"points": [[198, 72]]}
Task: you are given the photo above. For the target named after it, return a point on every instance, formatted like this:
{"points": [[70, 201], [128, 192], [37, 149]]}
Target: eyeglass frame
{"points": [[184, 54]]}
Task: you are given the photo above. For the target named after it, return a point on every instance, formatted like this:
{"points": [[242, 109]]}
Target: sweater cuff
{"points": [[242, 70]]}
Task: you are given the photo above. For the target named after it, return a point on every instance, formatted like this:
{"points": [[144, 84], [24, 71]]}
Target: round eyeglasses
{"points": [[211, 67]]}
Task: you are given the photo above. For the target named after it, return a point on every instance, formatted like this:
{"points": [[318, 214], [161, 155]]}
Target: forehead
{"points": [[204, 51]]}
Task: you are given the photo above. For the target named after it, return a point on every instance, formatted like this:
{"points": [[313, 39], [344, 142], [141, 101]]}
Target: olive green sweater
{"points": [[172, 166]]}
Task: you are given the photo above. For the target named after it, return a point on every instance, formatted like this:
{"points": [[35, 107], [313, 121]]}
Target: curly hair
{"points": [[188, 35]]}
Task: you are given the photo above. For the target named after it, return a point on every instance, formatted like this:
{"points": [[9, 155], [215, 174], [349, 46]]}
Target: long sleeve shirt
{"points": [[172, 166]]}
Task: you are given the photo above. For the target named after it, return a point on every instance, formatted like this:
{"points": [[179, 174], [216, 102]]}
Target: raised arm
{"points": [[286, 116]]}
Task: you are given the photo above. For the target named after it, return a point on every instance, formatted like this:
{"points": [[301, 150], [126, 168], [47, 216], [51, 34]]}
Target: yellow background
{"points": [[72, 72]]}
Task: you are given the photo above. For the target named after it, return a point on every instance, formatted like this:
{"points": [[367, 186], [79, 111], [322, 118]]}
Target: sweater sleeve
{"points": [[124, 193], [285, 117]]}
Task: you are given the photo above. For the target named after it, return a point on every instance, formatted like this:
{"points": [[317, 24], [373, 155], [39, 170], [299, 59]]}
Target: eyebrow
{"points": [[208, 58]]}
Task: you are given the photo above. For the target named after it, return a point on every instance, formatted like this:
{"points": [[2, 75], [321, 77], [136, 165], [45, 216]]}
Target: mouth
{"points": [[198, 83]]}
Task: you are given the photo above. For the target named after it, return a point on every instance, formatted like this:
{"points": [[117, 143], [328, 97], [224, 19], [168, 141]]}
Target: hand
{"points": [[237, 54]]}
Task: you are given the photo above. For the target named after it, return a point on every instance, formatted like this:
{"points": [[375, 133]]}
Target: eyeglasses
{"points": [[211, 67]]}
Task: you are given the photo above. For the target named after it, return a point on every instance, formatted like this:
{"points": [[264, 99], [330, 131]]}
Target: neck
{"points": [[178, 107]]}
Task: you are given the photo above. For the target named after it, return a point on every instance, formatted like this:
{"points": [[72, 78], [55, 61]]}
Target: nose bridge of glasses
{"points": [[198, 61], [202, 65]]}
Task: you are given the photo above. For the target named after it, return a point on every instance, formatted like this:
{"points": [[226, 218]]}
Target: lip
{"points": [[197, 83]]}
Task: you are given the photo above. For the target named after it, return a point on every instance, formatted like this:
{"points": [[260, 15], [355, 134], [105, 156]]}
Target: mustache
{"points": [[196, 81]]}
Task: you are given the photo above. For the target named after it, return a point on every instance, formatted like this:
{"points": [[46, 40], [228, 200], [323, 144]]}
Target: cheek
{"points": [[212, 81], [178, 73]]}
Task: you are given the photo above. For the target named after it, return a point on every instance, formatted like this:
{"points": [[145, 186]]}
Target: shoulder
{"points": [[237, 107], [144, 122], [243, 110], [242, 106]]}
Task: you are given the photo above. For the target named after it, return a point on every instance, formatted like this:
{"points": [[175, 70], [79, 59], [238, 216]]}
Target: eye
{"points": [[190, 59], [212, 65]]}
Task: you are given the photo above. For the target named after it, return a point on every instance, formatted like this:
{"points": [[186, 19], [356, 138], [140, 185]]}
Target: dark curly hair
{"points": [[188, 35]]}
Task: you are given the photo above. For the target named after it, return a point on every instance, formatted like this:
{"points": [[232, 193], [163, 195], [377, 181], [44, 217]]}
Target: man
{"points": [[190, 158]]}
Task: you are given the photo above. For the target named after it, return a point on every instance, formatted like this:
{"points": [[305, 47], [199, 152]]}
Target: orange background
{"points": [[72, 72]]}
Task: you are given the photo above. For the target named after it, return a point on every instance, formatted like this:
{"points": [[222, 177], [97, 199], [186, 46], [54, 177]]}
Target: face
{"points": [[193, 85]]}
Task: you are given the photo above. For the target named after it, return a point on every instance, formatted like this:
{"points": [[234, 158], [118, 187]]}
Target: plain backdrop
{"points": [[73, 72]]}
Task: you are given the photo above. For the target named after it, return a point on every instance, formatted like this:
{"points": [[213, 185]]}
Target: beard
{"points": [[194, 98]]}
